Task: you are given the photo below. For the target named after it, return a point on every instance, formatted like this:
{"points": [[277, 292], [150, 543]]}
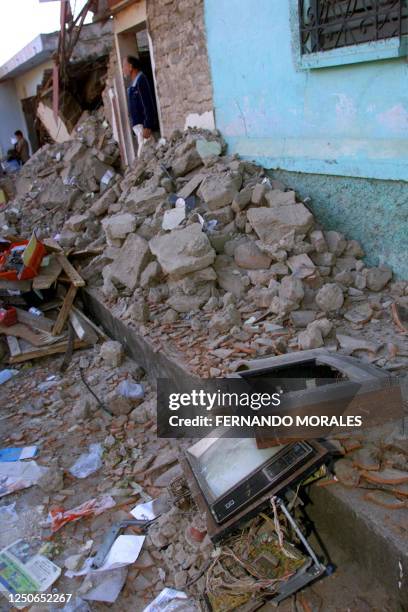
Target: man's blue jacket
{"points": [[142, 106]]}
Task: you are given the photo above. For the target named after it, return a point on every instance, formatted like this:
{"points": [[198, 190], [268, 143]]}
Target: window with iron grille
{"points": [[330, 24]]}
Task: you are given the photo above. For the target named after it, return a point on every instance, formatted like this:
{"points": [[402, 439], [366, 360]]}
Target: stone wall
{"points": [[180, 54]]}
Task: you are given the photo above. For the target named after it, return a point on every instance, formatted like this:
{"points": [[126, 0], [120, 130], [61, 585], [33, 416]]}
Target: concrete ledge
{"points": [[347, 525], [374, 537]]}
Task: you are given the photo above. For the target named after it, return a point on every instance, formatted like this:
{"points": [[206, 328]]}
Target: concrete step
{"points": [[347, 525]]}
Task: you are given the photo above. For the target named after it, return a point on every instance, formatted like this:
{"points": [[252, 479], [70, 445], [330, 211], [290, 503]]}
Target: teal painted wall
{"points": [[340, 121], [349, 120], [371, 211]]}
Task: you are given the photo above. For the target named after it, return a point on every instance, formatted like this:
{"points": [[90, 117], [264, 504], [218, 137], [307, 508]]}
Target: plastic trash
{"points": [[6, 374], [170, 600], [131, 390], [88, 463], [93, 507], [9, 512], [74, 605]]}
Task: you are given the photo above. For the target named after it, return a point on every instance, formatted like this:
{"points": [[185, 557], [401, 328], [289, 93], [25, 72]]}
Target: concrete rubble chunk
{"points": [[272, 224], [119, 226], [335, 242], [242, 199], [218, 191], [132, 259], [138, 312], [291, 288], [225, 320], [324, 258], [183, 250], [145, 200], [318, 241], [150, 274], [378, 278], [101, 205], [275, 197], [258, 194], [311, 338], [301, 266], [186, 162], [111, 353], [302, 318], [208, 148], [248, 256], [76, 223], [359, 314], [330, 297], [229, 276]]}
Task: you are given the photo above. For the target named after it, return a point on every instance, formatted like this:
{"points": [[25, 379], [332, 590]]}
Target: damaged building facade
{"points": [[26, 88], [327, 116]]}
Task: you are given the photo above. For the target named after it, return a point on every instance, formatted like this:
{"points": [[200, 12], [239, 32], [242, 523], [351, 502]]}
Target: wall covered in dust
{"points": [[183, 81], [371, 211]]}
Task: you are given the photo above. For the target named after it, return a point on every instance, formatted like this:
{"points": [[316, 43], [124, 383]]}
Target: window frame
{"points": [[388, 48]]}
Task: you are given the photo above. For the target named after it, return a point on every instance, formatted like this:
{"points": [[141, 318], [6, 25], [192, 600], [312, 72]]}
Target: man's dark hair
{"points": [[134, 62], [18, 133]]}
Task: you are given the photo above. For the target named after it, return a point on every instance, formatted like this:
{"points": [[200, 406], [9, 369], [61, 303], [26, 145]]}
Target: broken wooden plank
{"points": [[52, 245], [48, 275], [53, 349], [83, 330], [69, 269], [64, 312], [23, 286], [13, 345], [99, 331], [38, 322]]}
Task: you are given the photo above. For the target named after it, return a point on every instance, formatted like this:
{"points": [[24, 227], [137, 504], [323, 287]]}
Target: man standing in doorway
{"points": [[142, 105]]}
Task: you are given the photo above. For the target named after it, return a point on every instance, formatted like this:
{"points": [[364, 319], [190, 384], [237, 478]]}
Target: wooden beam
{"points": [[53, 349], [70, 271], [64, 312]]}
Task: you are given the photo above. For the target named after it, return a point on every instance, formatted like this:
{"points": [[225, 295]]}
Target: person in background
{"points": [[21, 147], [142, 105]]}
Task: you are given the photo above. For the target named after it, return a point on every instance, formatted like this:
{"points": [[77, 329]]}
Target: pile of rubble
{"points": [[200, 241], [62, 181]]}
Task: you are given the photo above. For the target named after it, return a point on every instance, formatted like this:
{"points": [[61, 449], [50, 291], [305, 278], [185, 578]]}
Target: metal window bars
{"points": [[331, 24]]}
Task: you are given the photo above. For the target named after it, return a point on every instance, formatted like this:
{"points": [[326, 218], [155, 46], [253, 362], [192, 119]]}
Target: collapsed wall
{"points": [[182, 70], [239, 261]]}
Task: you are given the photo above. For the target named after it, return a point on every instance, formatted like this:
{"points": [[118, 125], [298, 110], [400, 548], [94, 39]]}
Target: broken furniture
{"points": [[39, 332]]}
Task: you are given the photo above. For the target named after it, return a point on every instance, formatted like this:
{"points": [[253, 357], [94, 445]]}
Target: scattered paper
{"points": [[18, 475], [17, 454], [105, 587], [23, 570], [124, 551], [151, 509]]}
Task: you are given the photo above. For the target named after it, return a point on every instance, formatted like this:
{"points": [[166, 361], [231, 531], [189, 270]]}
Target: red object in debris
{"points": [[195, 534], [60, 517], [8, 316], [32, 258]]}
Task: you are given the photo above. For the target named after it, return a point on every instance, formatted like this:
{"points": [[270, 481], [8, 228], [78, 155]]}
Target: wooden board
{"points": [[53, 349], [48, 275], [64, 312], [34, 321], [13, 345], [99, 331], [82, 329], [23, 286], [70, 271]]}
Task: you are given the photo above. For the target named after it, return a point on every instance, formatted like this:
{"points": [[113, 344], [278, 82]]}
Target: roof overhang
{"points": [[38, 51]]}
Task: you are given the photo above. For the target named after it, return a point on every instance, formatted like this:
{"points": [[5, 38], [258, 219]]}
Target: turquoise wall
{"points": [[349, 120]]}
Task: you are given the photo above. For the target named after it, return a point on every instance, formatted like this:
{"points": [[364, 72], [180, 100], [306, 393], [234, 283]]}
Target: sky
{"points": [[23, 20]]}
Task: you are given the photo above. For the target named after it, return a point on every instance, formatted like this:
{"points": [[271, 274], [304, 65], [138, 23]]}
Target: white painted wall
{"points": [[11, 115]]}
